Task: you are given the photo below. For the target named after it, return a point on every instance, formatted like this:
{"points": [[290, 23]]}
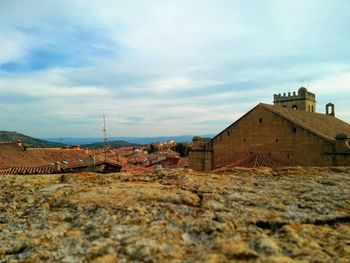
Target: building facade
{"points": [[277, 134]]}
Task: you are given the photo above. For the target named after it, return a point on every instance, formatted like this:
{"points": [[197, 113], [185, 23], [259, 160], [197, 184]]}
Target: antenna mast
{"points": [[105, 137]]}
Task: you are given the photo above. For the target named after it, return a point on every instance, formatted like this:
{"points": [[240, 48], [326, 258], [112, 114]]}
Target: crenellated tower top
{"points": [[303, 100]]}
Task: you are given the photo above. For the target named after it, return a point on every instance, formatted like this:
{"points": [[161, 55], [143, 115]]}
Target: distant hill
{"points": [[137, 140], [9, 136], [148, 140], [112, 144], [74, 140]]}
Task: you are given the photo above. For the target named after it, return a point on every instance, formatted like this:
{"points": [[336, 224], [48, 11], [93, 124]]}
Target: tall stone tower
{"points": [[304, 100]]}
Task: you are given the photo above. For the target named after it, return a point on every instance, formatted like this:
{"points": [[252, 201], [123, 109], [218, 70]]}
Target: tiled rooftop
{"points": [[322, 125], [15, 156], [28, 170], [256, 160]]}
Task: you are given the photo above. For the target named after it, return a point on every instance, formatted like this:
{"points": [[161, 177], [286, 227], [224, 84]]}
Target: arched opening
{"points": [[330, 109], [295, 107]]}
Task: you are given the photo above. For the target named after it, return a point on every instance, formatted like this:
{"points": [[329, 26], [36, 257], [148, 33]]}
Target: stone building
{"points": [[287, 133]]}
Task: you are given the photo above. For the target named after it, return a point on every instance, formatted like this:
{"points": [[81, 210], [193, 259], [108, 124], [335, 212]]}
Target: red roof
{"points": [[12, 155], [28, 170], [124, 151], [254, 161], [137, 158]]}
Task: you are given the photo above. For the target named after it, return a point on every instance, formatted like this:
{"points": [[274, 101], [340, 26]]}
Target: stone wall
{"points": [[200, 157]]}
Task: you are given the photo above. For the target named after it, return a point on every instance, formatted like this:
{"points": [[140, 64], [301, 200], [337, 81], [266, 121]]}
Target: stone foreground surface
{"points": [[236, 215]]}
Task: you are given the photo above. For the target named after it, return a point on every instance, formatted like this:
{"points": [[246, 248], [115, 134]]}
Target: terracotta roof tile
{"points": [[11, 155], [28, 170], [255, 160]]}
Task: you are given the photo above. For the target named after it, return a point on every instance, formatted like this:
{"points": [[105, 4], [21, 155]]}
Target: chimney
{"points": [[330, 109]]}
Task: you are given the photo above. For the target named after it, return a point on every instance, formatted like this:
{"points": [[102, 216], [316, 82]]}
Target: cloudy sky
{"points": [[164, 67]]}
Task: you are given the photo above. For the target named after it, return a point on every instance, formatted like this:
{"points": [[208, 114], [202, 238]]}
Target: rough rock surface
{"points": [[233, 215]]}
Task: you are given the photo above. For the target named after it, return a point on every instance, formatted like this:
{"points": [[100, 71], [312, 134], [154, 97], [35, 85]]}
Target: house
{"points": [[287, 133]]}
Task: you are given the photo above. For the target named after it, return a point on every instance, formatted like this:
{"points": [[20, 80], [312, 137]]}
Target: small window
{"points": [[260, 120], [294, 130], [276, 140], [228, 133], [288, 156], [312, 108], [244, 140]]}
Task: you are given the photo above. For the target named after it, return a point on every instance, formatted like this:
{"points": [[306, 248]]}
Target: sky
{"points": [[164, 67]]}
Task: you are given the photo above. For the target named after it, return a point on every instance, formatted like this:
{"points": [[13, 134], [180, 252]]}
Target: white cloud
{"points": [[178, 66]]}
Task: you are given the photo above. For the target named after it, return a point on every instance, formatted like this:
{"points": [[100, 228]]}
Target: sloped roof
{"points": [[28, 170], [322, 125], [15, 156], [124, 151], [256, 160]]}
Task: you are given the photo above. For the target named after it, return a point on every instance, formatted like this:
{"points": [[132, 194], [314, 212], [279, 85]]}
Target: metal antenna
{"points": [[308, 82], [105, 137]]}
